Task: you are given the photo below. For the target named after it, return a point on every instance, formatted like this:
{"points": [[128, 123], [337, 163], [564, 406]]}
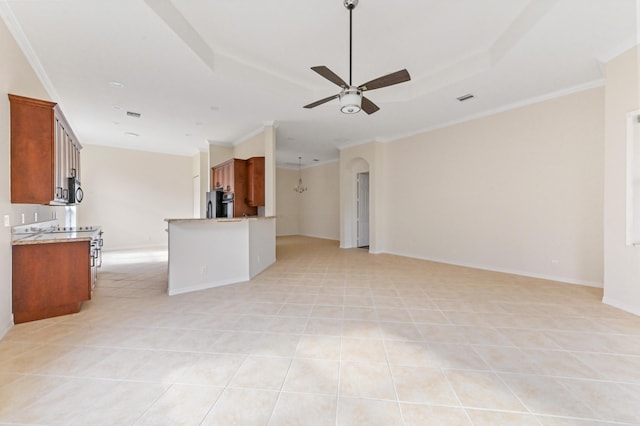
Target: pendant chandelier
{"points": [[300, 188]]}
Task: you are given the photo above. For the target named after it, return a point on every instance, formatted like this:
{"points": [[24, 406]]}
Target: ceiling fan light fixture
{"points": [[351, 101]]}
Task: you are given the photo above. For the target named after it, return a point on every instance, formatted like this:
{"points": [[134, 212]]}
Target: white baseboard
{"points": [[502, 270], [621, 305], [205, 286], [320, 237], [6, 326]]}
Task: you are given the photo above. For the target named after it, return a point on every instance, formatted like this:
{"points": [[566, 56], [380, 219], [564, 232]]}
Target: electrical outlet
{"points": [[35, 217], [7, 220], [22, 218]]}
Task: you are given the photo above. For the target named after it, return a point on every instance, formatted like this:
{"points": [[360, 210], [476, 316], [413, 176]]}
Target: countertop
{"points": [[219, 219], [45, 237]]}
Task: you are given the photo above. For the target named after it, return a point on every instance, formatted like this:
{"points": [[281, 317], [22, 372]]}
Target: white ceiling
{"points": [[217, 71]]}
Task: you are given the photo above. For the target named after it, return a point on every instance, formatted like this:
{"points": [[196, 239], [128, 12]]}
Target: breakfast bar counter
{"points": [[206, 253]]}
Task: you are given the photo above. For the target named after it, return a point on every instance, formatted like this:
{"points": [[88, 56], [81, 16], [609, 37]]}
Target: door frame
{"points": [[363, 206]]}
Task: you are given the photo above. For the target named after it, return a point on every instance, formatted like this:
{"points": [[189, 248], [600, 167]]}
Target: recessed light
{"points": [[135, 135], [116, 122], [117, 107], [465, 97], [133, 114], [315, 159], [117, 84]]}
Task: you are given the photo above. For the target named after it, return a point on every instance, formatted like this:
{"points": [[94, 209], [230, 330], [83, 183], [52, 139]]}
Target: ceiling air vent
{"points": [[465, 97], [133, 114]]}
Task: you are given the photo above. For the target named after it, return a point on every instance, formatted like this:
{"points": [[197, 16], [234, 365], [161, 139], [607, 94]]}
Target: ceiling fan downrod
{"points": [[350, 4]]}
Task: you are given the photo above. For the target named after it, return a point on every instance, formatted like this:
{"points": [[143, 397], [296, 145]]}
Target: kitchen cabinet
{"points": [[255, 181], [45, 154], [217, 179], [223, 176], [232, 177], [49, 280]]}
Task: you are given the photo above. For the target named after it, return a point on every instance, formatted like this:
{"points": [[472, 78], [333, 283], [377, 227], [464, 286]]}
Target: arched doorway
{"points": [[356, 204]]}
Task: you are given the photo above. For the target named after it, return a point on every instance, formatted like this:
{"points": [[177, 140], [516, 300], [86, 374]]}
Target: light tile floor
{"points": [[326, 336]]}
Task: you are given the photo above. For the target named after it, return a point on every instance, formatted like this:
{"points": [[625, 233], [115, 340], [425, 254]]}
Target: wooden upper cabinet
{"points": [[216, 178], [45, 153], [222, 176], [234, 176], [255, 181]]}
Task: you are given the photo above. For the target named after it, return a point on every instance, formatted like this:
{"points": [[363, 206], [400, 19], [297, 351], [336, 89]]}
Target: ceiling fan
{"points": [[351, 98]]}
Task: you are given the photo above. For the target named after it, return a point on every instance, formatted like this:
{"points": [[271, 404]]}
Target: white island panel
{"points": [[262, 245], [206, 253]]}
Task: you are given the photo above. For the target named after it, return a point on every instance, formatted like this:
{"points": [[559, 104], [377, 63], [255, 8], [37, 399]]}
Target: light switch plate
{"points": [[7, 220]]}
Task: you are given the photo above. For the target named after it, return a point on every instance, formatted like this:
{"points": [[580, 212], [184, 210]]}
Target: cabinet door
{"points": [[78, 167], [50, 279], [65, 166], [228, 182], [216, 179], [58, 138], [255, 181]]}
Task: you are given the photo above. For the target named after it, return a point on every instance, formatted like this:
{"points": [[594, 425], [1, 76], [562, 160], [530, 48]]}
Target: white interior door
{"points": [[633, 179], [362, 216], [196, 196]]}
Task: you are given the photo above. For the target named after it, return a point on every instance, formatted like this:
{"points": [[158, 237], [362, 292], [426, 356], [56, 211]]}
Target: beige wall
{"points": [[252, 147], [314, 213], [130, 193], [288, 201], [219, 154], [201, 173], [519, 191], [319, 205], [621, 262], [16, 77]]}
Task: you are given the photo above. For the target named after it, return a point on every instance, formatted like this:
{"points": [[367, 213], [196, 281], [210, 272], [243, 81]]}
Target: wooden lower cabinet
{"points": [[50, 280]]}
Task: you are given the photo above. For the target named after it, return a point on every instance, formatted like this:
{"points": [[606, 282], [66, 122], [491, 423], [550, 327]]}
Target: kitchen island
{"points": [[206, 253]]}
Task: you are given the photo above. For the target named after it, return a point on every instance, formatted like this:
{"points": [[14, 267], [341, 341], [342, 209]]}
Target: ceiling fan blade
{"points": [[321, 101], [387, 80], [368, 106], [330, 75]]}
